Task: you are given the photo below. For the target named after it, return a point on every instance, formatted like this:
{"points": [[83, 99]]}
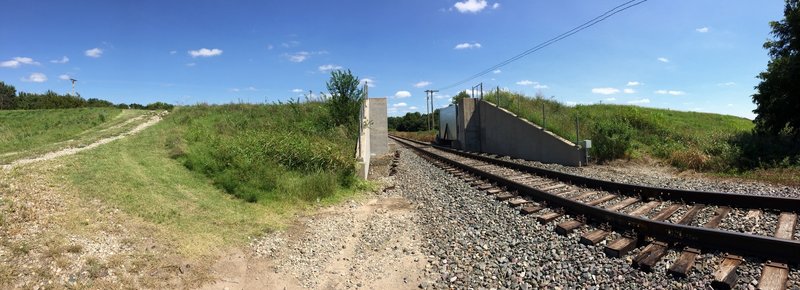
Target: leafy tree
{"points": [[159, 106], [345, 99], [778, 95], [461, 95], [7, 94]]}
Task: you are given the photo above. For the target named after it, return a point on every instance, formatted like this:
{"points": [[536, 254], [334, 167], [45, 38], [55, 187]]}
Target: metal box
{"points": [[447, 123]]}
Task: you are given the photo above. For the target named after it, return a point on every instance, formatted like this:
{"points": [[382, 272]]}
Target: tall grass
{"points": [[693, 140], [25, 129], [265, 152]]}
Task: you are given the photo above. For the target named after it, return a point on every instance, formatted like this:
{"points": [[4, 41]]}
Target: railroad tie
{"points": [[623, 204], [518, 201], [548, 217], [775, 274], [568, 227], [530, 209], [594, 237], [584, 195], [601, 199], [725, 276], [554, 187], [504, 196], [493, 190], [653, 252], [685, 262], [623, 245], [645, 209]]}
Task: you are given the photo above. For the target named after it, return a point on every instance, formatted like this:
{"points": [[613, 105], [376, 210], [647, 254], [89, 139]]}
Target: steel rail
{"points": [[646, 192], [699, 237]]}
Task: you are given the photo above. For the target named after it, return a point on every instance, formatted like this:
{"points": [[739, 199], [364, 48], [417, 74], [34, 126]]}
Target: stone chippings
{"points": [[475, 242]]}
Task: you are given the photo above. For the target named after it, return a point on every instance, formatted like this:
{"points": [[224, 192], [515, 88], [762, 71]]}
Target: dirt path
{"points": [[72, 150], [367, 245]]}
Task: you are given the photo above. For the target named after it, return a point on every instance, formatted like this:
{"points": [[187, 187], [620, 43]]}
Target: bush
{"points": [[159, 106], [612, 139]]}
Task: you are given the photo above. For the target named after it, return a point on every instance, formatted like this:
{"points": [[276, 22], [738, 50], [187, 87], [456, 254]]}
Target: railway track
{"points": [[652, 219]]}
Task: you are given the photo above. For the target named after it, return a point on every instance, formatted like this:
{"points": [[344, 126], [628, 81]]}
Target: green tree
{"points": [[461, 95], [778, 95], [7, 95], [345, 99]]}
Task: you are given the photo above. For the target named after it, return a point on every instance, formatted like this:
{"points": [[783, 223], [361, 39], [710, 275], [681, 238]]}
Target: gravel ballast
{"points": [[473, 241]]}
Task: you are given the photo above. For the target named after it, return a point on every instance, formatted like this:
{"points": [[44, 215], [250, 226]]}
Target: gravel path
{"points": [[475, 242], [69, 151]]}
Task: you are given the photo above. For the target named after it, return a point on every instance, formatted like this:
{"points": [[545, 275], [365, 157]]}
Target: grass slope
{"points": [[173, 174], [25, 133], [685, 139]]}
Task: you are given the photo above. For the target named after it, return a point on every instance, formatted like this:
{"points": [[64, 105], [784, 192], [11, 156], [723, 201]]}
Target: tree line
{"points": [[10, 99]]}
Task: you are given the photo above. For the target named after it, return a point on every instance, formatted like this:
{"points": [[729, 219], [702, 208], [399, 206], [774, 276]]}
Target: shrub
{"points": [[611, 139]]}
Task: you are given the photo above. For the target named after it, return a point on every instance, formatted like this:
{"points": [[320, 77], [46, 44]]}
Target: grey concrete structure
{"points": [[469, 126], [373, 138], [378, 127], [490, 129]]}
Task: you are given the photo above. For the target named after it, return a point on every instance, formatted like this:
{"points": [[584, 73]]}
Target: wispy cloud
{"points": [[400, 105], [422, 84], [497, 71], [369, 81], [17, 61], [328, 67], [728, 84], [663, 59], [64, 77], [94, 52], [640, 101], [205, 52], [634, 83], [402, 94], [470, 6], [291, 43], [35, 78], [299, 56], [605, 91], [191, 64], [64, 59], [297, 91], [495, 5], [173, 51], [412, 108], [612, 99], [467, 45], [670, 92], [629, 91], [702, 29], [524, 83]]}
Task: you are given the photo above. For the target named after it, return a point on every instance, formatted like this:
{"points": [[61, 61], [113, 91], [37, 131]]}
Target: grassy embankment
{"points": [[424, 136], [26, 133], [212, 176]]}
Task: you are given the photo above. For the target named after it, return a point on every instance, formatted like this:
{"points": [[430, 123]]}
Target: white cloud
{"points": [[702, 29], [495, 5], [369, 81], [191, 64], [328, 67], [94, 52], [399, 105], [663, 59], [251, 88], [36, 78], [297, 91], [605, 91], [64, 59], [299, 56], [205, 52], [610, 99], [470, 6], [422, 84], [641, 101], [412, 108], [467, 45], [289, 44], [65, 77], [173, 51], [633, 84], [445, 96], [497, 71], [17, 61], [539, 86], [730, 105], [728, 84], [402, 94], [235, 90], [629, 91], [524, 83], [670, 92]]}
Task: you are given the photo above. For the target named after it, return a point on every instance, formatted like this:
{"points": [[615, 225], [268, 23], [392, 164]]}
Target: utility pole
{"points": [[431, 118], [73, 86], [428, 97]]}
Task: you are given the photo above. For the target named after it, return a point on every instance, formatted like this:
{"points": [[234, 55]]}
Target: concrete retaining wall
{"points": [[504, 133], [501, 132], [373, 137]]}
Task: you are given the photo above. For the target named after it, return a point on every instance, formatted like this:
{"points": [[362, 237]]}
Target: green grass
{"points": [[146, 175], [24, 133], [685, 139]]}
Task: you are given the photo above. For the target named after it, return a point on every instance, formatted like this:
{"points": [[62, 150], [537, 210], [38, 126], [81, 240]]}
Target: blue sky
{"points": [[678, 54]]}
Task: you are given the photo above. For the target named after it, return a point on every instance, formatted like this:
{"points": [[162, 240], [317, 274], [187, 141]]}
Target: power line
{"points": [[590, 23]]}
